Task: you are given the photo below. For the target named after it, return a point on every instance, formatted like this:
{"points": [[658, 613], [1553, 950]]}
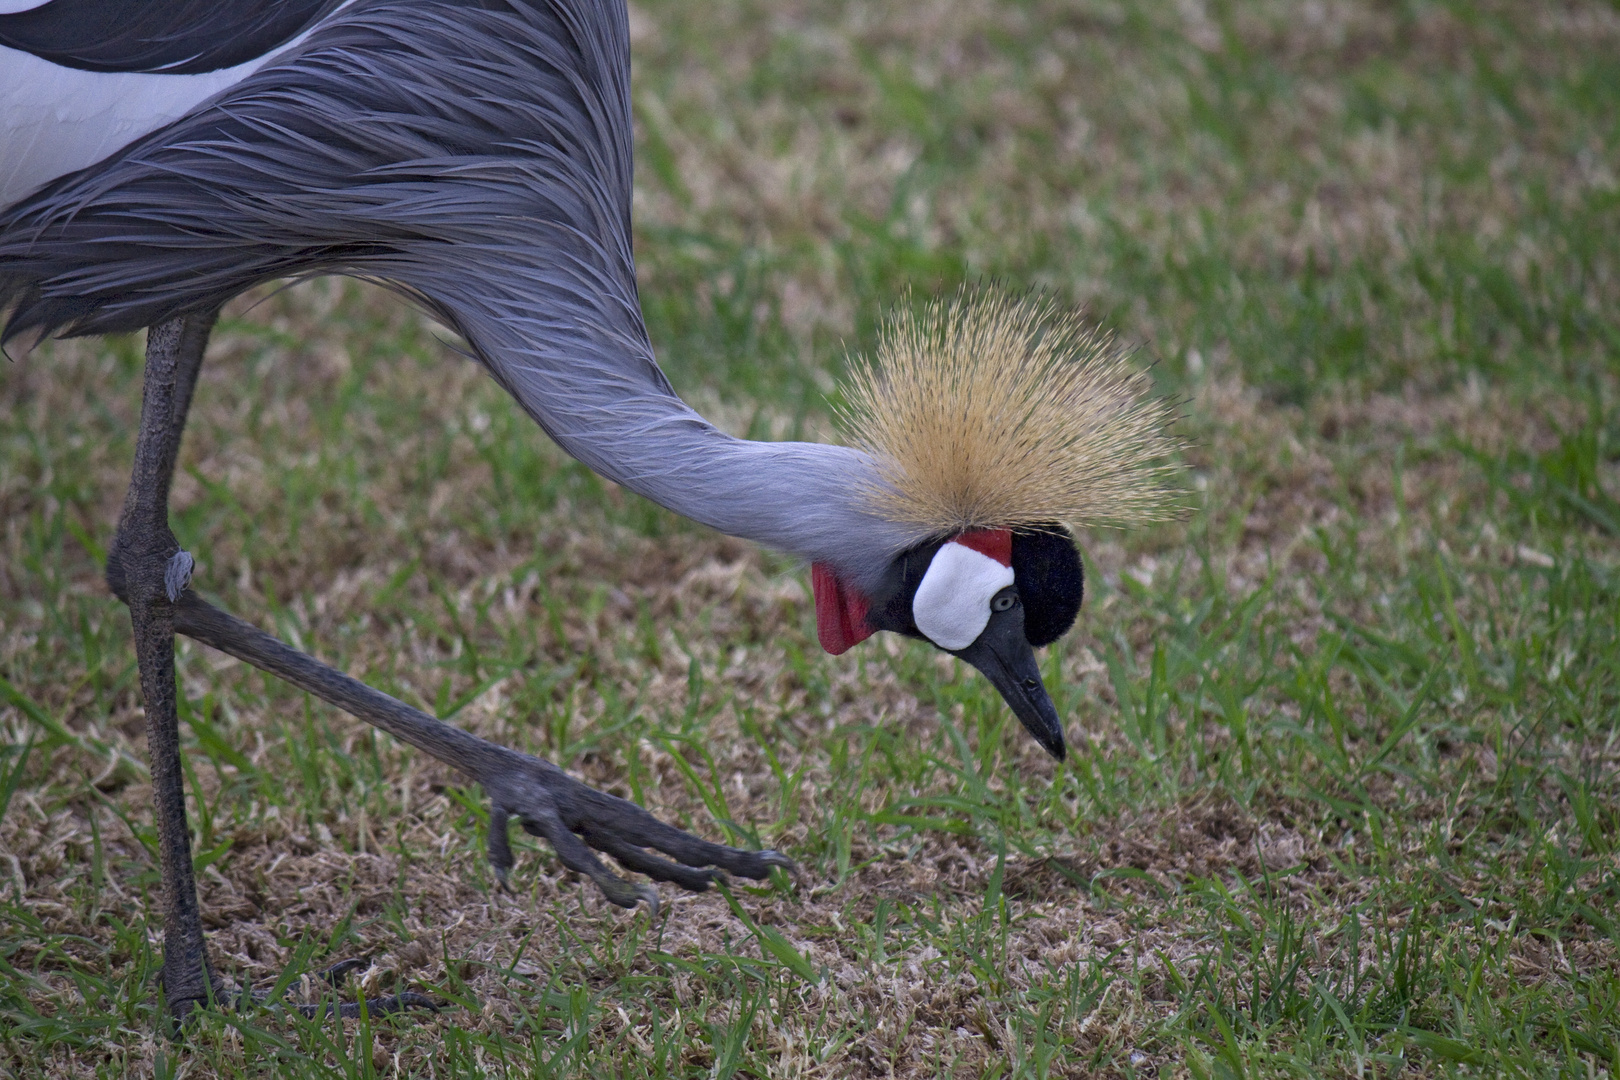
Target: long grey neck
{"points": [[587, 375]]}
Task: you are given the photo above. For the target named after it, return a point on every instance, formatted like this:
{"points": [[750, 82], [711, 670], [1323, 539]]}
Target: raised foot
{"points": [[574, 818], [550, 804]]}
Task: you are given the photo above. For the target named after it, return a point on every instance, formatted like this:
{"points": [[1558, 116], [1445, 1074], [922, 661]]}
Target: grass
{"points": [[1345, 798]]}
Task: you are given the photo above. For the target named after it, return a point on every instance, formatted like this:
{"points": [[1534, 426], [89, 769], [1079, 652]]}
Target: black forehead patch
{"points": [[1047, 571]]}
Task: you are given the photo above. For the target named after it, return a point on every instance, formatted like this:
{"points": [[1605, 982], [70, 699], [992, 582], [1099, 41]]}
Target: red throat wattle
{"points": [[840, 611]]}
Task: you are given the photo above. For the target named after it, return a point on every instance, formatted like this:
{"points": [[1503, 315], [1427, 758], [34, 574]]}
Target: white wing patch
{"points": [[952, 604], [55, 120], [58, 119]]}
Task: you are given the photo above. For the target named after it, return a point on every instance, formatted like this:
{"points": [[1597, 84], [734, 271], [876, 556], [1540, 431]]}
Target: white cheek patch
{"points": [[952, 604]]}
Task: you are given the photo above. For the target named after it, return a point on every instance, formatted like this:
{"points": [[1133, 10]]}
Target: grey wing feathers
{"points": [[395, 134]]}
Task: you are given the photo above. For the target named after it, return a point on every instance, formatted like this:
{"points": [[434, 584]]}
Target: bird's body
{"points": [[476, 158]]}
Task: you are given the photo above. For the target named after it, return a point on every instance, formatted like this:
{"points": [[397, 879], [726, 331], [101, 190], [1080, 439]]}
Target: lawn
{"points": [[1344, 797]]}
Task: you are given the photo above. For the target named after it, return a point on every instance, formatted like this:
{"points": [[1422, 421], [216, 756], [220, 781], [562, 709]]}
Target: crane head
{"points": [[987, 420], [989, 596]]}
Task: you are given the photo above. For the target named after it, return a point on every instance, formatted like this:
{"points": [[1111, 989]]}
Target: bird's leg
{"points": [[549, 803], [148, 570]]}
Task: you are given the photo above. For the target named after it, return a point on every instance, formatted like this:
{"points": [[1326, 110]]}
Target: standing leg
{"points": [[148, 571]]}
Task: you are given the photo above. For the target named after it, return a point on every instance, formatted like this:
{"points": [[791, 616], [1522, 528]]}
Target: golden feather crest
{"points": [[993, 411]]}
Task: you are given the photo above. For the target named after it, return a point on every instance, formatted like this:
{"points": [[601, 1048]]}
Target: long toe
{"points": [[379, 1006], [582, 860], [499, 847], [333, 977], [603, 814], [338, 972], [633, 857]]}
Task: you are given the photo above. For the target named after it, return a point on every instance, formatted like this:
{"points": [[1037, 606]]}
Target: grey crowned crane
{"points": [[157, 159]]}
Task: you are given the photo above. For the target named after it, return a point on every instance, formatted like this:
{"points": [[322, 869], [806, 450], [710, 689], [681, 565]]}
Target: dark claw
{"points": [[574, 818], [775, 858]]}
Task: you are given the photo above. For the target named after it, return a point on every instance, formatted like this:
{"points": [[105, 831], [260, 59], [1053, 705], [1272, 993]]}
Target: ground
{"points": [[1346, 770]]}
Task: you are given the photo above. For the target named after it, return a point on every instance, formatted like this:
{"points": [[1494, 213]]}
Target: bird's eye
{"points": [[1004, 601]]}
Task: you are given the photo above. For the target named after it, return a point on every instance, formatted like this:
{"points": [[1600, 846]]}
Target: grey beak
{"points": [[1005, 657]]}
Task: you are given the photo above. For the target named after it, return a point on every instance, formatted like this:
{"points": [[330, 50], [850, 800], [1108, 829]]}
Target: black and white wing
{"points": [[80, 79]]}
